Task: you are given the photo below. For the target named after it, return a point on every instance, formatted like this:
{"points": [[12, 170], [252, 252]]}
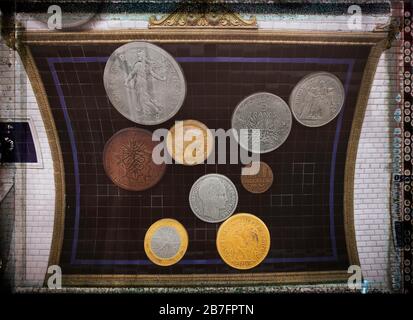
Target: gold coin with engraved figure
{"points": [[243, 241]]}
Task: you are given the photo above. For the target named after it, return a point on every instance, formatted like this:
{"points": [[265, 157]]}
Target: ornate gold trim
{"points": [[53, 139], [203, 15], [376, 40], [202, 36], [392, 29], [203, 279]]}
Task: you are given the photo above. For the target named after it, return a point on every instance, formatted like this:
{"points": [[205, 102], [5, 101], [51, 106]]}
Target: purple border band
{"points": [[51, 62]]}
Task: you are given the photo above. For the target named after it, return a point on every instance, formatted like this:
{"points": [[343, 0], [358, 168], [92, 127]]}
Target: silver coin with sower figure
{"points": [[144, 83]]}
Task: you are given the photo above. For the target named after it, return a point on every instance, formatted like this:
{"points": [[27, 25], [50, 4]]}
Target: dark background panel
{"points": [[113, 221]]}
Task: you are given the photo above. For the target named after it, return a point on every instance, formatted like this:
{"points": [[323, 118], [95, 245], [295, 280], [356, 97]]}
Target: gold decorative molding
{"points": [[352, 148], [203, 36], [392, 28], [57, 157], [199, 280], [203, 15]]}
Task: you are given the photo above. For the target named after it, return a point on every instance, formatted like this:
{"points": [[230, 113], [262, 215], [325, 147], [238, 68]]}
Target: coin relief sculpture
{"points": [[260, 182], [166, 242], [189, 142], [127, 160], [144, 83], [317, 99], [243, 241], [266, 112], [213, 198]]}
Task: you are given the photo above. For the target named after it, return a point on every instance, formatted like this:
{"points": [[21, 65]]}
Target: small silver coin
{"points": [[165, 242], [317, 99], [213, 198], [144, 83], [269, 114]]}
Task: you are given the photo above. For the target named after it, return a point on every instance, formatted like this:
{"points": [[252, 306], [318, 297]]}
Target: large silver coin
{"points": [[144, 83], [165, 242], [213, 198], [266, 112], [317, 99]]}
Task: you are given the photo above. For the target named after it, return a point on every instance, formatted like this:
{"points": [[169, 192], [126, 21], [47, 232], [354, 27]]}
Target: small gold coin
{"points": [[166, 242], [243, 241], [189, 142], [257, 182]]}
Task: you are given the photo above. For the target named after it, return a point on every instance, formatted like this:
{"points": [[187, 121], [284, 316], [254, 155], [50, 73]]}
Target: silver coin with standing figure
{"points": [[267, 113], [144, 83], [213, 198], [317, 99]]}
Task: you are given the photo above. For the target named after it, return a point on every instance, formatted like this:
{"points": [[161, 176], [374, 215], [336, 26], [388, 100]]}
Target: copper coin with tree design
{"points": [[127, 160]]}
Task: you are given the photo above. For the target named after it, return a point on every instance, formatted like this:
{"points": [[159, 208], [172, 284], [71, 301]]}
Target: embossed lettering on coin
{"points": [[213, 198], [127, 159], [266, 112], [189, 142], [166, 242], [243, 241], [260, 182], [144, 83], [317, 99]]}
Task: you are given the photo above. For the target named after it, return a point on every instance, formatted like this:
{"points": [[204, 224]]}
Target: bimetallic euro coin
{"points": [[213, 198], [259, 182], [189, 142], [144, 83], [127, 160], [267, 113], [317, 99], [243, 241], [166, 242]]}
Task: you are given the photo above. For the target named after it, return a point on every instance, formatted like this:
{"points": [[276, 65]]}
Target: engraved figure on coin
{"points": [[213, 195], [245, 242], [320, 96], [140, 79]]}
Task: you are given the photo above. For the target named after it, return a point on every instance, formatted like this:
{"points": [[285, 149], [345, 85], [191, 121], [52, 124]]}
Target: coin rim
{"points": [[213, 175], [161, 166], [305, 78], [249, 97], [259, 192], [174, 62], [227, 222], [183, 234], [200, 125]]}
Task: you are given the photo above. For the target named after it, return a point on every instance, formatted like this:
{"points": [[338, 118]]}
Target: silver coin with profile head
{"points": [[144, 83], [266, 113], [213, 198], [317, 99]]}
